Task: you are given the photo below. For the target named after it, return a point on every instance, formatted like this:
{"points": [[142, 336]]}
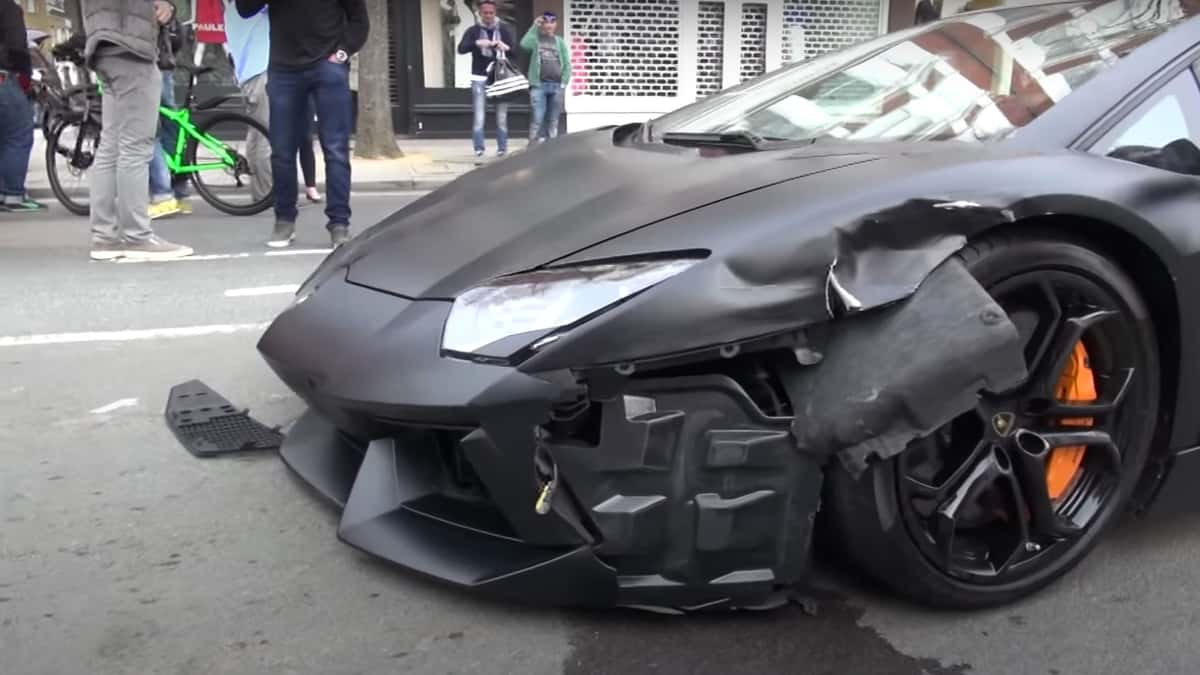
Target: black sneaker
{"points": [[339, 234], [283, 235]]}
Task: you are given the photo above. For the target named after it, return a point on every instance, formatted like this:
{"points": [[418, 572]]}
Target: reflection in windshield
{"points": [[973, 78]]}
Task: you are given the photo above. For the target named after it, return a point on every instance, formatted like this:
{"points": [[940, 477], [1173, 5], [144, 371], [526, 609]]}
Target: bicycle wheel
{"points": [[70, 151], [218, 156]]}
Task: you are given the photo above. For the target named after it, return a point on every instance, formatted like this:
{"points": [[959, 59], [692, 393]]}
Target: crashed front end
{"points": [[687, 481]]}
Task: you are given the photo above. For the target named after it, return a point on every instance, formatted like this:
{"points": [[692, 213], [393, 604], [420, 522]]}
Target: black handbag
{"points": [[506, 83]]}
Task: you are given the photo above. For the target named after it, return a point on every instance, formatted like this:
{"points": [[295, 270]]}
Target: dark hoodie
{"points": [[14, 43]]}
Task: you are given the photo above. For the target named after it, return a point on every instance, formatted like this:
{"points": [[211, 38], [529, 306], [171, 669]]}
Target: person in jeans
{"points": [[249, 41], [167, 196], [482, 41], [549, 75], [311, 42], [122, 49], [16, 110]]}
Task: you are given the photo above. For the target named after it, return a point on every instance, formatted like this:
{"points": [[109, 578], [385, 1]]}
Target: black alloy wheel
{"points": [[1013, 494]]}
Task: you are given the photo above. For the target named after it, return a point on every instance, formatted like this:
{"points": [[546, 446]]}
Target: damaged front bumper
{"points": [[671, 490]]}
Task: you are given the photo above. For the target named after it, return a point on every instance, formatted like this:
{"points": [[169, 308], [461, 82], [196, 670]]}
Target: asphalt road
{"points": [[120, 553]]}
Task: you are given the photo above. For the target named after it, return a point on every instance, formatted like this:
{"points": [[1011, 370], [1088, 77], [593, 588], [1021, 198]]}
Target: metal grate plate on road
{"points": [[208, 425]]}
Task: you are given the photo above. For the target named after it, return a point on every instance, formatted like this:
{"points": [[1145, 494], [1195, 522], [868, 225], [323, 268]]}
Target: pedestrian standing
{"points": [[249, 40], [311, 42], [122, 49], [484, 41], [549, 75], [167, 196], [16, 110]]}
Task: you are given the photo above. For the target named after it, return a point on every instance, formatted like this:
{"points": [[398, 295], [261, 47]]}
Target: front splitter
{"points": [[380, 501]]}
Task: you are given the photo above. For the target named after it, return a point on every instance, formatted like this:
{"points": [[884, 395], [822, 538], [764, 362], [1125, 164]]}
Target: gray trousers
{"points": [[121, 170], [258, 147]]}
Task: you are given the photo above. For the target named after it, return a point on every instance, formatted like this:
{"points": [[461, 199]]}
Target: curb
{"points": [[367, 187]]}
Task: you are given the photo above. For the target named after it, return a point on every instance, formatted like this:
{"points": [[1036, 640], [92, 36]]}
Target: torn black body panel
{"points": [[893, 375]]}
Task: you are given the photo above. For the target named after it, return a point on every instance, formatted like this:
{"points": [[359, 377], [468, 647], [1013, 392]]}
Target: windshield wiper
{"points": [[733, 139]]}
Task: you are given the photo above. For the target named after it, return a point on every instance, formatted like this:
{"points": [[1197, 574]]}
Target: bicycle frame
{"points": [[182, 118]]}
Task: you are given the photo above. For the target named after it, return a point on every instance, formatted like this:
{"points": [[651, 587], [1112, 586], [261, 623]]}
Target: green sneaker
{"points": [[24, 205]]}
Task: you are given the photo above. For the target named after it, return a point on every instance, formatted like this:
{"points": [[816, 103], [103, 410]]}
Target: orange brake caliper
{"points": [[1077, 384]]}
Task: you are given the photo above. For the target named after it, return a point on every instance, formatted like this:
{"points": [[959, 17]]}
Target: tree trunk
{"points": [[375, 136]]}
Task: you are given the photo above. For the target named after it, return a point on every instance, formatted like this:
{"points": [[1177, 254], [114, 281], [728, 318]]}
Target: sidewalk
{"points": [[427, 165]]}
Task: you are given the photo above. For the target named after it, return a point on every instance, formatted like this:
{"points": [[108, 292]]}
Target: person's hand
{"points": [[163, 11], [540, 20], [483, 43], [501, 46]]}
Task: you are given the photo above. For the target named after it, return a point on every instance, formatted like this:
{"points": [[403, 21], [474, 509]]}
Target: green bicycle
{"points": [[213, 154]]}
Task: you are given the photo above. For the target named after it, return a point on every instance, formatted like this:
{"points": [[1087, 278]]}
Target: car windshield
{"points": [[976, 77]]}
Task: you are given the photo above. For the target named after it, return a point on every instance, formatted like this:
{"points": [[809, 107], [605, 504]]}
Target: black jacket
{"points": [[480, 61], [170, 42], [14, 43], [306, 32]]}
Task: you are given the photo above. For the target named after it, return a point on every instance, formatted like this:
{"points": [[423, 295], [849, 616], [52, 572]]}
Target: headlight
{"points": [[536, 302]]}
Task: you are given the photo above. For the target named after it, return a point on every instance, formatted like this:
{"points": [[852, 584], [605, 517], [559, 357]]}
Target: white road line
{"points": [[230, 256], [300, 251], [115, 405], [129, 335], [261, 290]]}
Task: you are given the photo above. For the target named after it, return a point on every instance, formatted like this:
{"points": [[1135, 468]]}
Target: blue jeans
{"points": [[479, 104], [547, 104], [160, 176], [288, 93], [16, 137]]}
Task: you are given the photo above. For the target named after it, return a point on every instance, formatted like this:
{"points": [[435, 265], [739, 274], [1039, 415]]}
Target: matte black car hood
{"points": [[551, 202]]}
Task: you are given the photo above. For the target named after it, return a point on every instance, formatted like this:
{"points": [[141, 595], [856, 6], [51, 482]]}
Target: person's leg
{"points": [[308, 158], [138, 88], [16, 142], [479, 107], [167, 128], [258, 148], [286, 94], [537, 102], [335, 110], [554, 104], [501, 129], [168, 133], [160, 176], [162, 197], [102, 174]]}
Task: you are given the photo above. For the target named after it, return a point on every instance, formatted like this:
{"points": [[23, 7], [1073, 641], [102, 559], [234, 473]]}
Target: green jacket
{"points": [[530, 44]]}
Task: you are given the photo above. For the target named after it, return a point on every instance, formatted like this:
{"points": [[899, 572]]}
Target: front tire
{"points": [[240, 127], [971, 517]]}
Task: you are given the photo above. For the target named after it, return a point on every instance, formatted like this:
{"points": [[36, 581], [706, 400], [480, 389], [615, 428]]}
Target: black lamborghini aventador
{"points": [[927, 295]]}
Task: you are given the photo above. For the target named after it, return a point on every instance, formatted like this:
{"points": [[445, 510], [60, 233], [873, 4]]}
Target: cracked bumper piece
{"points": [[678, 493]]}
